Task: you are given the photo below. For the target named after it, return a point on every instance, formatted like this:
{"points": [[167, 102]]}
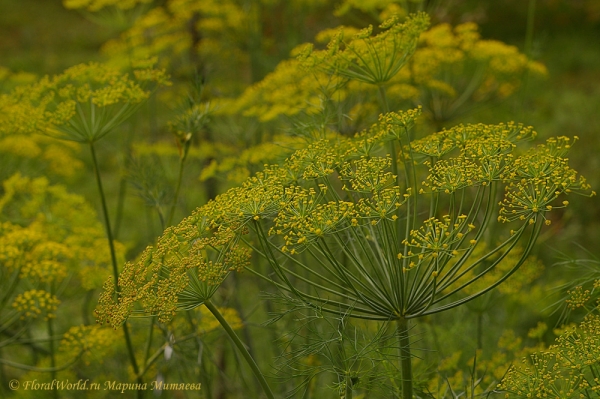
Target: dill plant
{"points": [[344, 235], [380, 226]]}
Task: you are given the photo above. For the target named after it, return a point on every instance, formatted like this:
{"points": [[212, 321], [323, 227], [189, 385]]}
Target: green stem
{"points": [[177, 188], [480, 329], [111, 245], [149, 342], [530, 25], [348, 394], [120, 205], [528, 49], [240, 345], [113, 258], [384, 100], [52, 355], [405, 358]]}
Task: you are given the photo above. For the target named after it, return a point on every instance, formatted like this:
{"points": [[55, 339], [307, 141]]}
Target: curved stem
{"points": [[240, 345], [113, 258], [41, 369]]}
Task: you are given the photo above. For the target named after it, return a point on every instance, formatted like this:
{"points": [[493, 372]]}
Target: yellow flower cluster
{"points": [[180, 31], [578, 298], [449, 70], [93, 342], [9, 80], [185, 268], [237, 166], [369, 174], [568, 369], [17, 141], [438, 239], [33, 303], [484, 154], [288, 91], [305, 218], [454, 68], [61, 234], [83, 104], [367, 58], [317, 76], [537, 179]]}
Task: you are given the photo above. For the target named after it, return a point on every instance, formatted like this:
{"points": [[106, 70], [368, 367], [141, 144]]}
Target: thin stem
{"points": [[405, 358], [480, 329], [41, 369], [52, 350], [384, 100], [240, 345], [149, 342], [109, 235], [113, 258], [177, 188], [530, 26]]}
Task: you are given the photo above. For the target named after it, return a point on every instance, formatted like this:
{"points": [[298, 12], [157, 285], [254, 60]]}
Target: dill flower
{"points": [[371, 59], [85, 102], [185, 267], [289, 90], [453, 68], [535, 182], [91, 342], [34, 303], [350, 214], [568, 369], [58, 233]]}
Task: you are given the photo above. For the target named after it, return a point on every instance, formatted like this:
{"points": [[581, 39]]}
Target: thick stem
{"points": [[348, 393], [113, 258], [240, 346], [405, 358]]}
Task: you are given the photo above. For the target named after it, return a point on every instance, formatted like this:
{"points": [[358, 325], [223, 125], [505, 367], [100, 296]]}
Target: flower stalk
{"points": [[115, 268], [241, 347]]}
